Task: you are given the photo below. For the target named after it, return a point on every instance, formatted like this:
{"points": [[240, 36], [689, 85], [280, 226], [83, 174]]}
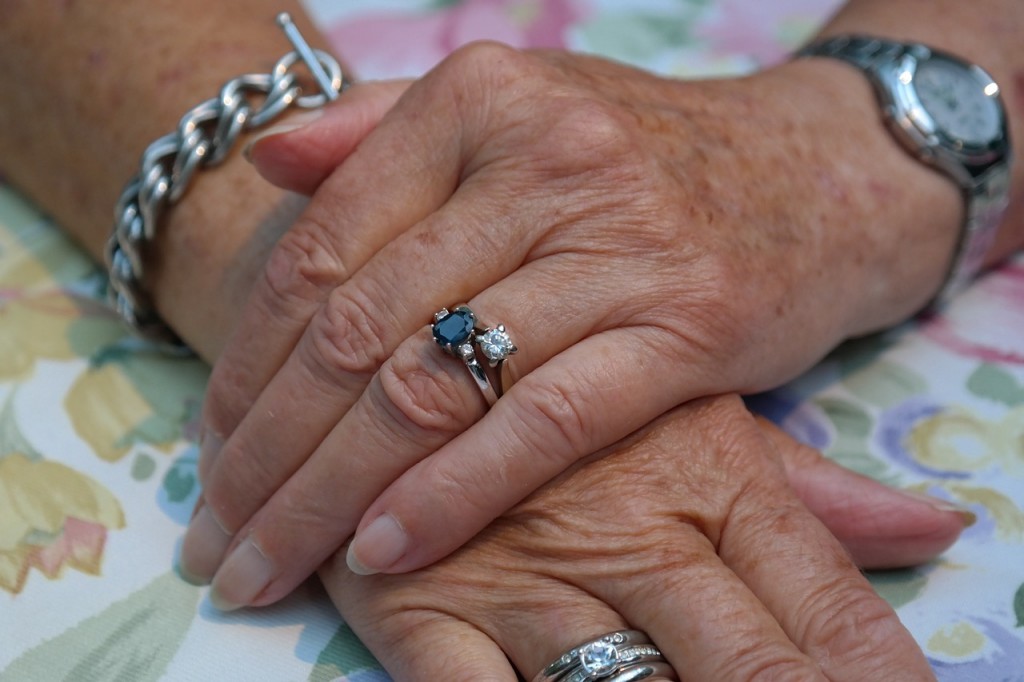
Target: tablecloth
{"points": [[97, 430]]}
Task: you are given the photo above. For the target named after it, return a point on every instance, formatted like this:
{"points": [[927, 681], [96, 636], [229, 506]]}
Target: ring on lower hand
{"points": [[621, 656]]}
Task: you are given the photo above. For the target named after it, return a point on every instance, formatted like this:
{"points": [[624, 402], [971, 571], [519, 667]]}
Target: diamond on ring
{"points": [[599, 658], [496, 345]]}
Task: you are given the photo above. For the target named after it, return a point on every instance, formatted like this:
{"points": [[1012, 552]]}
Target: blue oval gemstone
{"points": [[454, 329]]}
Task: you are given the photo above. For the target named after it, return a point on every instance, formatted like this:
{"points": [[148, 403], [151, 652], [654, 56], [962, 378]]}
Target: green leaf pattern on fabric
{"points": [[995, 383], [899, 587], [853, 426], [884, 384], [133, 639], [1018, 606], [343, 655], [180, 479], [636, 37]]}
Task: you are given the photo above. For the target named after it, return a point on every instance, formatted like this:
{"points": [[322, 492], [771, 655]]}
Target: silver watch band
{"points": [[985, 188]]}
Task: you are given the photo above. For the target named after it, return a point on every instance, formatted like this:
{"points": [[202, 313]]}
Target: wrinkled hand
{"points": [[629, 230], [688, 532]]}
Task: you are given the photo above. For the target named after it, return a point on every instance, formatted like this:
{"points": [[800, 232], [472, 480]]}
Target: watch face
{"points": [[957, 101]]}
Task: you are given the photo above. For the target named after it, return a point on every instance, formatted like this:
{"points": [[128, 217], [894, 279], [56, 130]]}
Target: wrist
{"points": [[212, 247], [206, 135], [888, 230]]}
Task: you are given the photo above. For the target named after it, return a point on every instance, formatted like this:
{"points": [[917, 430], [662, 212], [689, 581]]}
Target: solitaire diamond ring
{"points": [[621, 656]]}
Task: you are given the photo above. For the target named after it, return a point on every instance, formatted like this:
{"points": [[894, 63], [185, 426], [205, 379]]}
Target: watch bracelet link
{"points": [[862, 51], [985, 196], [205, 135]]}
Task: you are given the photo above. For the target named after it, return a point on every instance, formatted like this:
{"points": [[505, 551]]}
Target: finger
{"points": [[564, 410], [300, 158], [804, 577], [704, 619], [881, 527], [422, 647]]}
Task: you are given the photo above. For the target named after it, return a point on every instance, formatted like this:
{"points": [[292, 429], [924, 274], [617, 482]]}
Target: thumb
{"points": [[881, 527], [298, 153]]}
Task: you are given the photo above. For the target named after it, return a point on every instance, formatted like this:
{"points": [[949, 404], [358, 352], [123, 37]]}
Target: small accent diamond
{"points": [[599, 658], [496, 344]]}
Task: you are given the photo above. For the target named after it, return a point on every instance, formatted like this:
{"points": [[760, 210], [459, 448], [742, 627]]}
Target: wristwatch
{"points": [[948, 113]]}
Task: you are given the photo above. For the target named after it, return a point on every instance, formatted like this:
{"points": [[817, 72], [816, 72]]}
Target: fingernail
{"points": [[968, 517], [210, 445], [377, 547], [242, 578], [292, 123], [203, 547]]}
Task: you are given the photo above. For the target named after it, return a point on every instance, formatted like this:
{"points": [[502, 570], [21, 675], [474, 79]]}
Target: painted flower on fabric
{"points": [[764, 31], [975, 649], [51, 517], [959, 441], [986, 321], [957, 453], [136, 397], [38, 319], [387, 44], [33, 327]]}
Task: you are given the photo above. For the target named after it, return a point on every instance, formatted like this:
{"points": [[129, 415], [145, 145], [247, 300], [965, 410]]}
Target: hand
{"points": [[644, 274], [687, 531]]}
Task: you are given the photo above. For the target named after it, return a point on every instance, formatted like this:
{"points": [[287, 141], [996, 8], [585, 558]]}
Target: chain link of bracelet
{"points": [[204, 137]]}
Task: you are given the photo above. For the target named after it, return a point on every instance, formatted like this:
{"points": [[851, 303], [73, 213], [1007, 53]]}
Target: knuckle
{"points": [[847, 623], [551, 419], [486, 62], [302, 266], [597, 130], [348, 337], [588, 143], [762, 665], [304, 521], [421, 395]]}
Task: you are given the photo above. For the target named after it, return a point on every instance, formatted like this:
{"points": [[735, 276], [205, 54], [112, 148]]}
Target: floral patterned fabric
{"points": [[97, 431]]}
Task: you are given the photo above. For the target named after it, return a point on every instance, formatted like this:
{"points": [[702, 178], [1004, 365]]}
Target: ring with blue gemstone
{"points": [[458, 333]]}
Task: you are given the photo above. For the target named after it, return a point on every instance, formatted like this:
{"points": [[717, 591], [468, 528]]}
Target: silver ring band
{"points": [[660, 670], [457, 333], [620, 656]]}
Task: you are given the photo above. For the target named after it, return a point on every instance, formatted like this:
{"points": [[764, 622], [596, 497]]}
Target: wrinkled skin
{"points": [[687, 533], [593, 209]]}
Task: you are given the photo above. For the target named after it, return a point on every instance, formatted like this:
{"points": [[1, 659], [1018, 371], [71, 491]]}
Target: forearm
{"points": [[88, 86], [987, 32]]}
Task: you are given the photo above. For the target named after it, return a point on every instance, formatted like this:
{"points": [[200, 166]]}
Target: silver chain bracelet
{"points": [[204, 137]]}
